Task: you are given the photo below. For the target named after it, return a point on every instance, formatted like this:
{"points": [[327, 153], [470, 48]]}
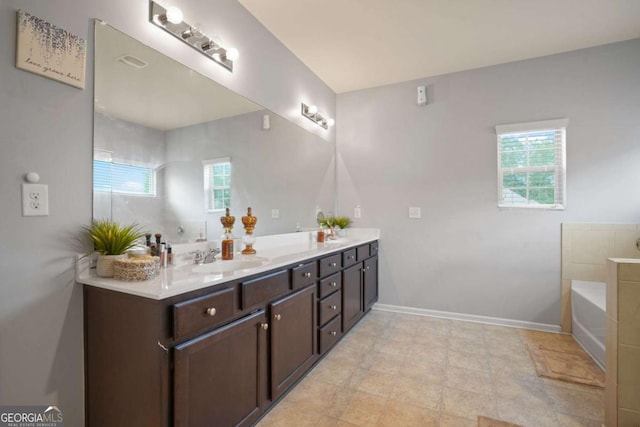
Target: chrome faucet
{"points": [[201, 257], [211, 256], [198, 256]]}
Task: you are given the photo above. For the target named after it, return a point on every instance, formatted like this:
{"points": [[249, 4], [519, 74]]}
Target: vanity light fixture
{"points": [[311, 113], [171, 20]]}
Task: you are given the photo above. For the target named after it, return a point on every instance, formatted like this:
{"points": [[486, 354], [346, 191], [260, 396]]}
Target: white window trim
{"points": [[559, 168], [207, 190]]}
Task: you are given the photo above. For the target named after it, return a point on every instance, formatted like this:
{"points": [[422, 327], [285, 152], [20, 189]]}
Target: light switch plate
{"points": [[275, 213], [415, 213], [357, 212], [35, 200]]}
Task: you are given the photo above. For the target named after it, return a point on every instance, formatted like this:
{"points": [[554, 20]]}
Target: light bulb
{"points": [[174, 15], [312, 109], [232, 54], [331, 122]]}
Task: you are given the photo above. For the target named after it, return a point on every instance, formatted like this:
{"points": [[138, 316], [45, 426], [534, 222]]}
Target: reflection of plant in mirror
{"points": [[109, 238], [341, 222]]}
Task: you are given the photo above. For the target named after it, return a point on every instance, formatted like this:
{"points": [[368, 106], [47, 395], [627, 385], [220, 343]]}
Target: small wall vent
{"points": [[132, 61]]}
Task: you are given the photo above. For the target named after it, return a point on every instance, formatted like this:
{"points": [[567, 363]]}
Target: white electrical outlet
{"points": [[357, 212], [422, 95], [275, 213], [415, 213], [35, 200]]}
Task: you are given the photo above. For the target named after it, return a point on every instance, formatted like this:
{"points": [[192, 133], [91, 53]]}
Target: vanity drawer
{"points": [[373, 249], [197, 314], [304, 275], [329, 285], [330, 265], [329, 307], [349, 257], [264, 289], [363, 252], [329, 334]]}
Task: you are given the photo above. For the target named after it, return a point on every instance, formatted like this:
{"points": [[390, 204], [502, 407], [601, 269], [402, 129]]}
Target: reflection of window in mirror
{"points": [[217, 184], [119, 176]]}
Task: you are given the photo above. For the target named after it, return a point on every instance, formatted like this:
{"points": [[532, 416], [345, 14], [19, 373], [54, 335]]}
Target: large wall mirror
{"points": [[173, 148]]}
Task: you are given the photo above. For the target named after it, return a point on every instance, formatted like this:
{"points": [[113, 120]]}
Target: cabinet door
{"points": [[293, 338], [352, 308], [370, 279], [218, 376]]}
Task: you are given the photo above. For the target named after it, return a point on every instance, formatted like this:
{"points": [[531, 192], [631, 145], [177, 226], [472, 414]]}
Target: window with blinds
{"points": [[114, 177], [217, 184], [532, 164]]}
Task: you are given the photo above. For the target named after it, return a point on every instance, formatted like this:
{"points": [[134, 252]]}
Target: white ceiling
{"points": [[164, 95], [356, 44]]}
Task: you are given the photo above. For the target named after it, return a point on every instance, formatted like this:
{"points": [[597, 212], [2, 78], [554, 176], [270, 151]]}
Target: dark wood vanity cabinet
{"points": [[352, 296], [224, 354], [219, 376], [370, 282], [293, 338], [359, 284]]}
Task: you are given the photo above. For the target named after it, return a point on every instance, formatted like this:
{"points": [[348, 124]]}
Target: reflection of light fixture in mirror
{"points": [[311, 113], [171, 20], [187, 34]]}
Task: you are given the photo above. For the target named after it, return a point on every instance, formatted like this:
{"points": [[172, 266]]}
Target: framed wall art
{"points": [[45, 49]]}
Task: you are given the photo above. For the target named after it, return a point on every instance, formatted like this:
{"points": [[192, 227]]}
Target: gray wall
{"points": [[285, 168], [47, 128], [465, 255]]}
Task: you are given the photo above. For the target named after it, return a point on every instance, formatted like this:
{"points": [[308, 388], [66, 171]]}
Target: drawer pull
{"points": [[334, 333], [351, 257], [334, 284], [211, 311], [367, 268], [277, 316], [264, 326], [333, 264], [333, 307], [306, 274]]}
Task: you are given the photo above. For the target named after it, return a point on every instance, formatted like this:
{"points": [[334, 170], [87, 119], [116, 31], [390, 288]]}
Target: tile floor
{"points": [[404, 370]]}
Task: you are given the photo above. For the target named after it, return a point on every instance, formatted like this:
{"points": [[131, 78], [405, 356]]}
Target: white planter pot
{"points": [[104, 266]]}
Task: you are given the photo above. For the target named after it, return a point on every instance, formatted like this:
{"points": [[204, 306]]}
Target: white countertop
{"points": [[273, 252]]}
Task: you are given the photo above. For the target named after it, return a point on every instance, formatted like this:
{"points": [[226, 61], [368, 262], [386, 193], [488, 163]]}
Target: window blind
{"points": [[124, 179], [532, 164]]}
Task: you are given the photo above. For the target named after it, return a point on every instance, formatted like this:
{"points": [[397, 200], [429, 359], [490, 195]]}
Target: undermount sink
{"points": [[220, 266]]}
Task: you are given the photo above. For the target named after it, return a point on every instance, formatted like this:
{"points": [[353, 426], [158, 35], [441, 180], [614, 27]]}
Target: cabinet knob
{"points": [[333, 264], [264, 326], [333, 307], [211, 311], [277, 316], [306, 274], [350, 257], [334, 284], [334, 333], [367, 267]]}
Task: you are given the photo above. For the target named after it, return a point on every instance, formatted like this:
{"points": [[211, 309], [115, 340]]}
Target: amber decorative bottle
{"points": [[227, 247]]}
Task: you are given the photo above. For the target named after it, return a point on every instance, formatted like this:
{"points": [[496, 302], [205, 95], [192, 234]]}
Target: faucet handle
{"points": [[199, 256]]}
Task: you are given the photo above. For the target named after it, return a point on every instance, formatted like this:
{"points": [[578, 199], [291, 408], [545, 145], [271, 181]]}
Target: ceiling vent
{"points": [[132, 61]]}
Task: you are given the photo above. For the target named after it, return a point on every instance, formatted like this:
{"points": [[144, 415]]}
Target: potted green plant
{"points": [[111, 241], [331, 222]]}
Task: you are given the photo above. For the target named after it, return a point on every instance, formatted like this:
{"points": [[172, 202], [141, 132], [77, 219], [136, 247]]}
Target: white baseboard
{"points": [[469, 318]]}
